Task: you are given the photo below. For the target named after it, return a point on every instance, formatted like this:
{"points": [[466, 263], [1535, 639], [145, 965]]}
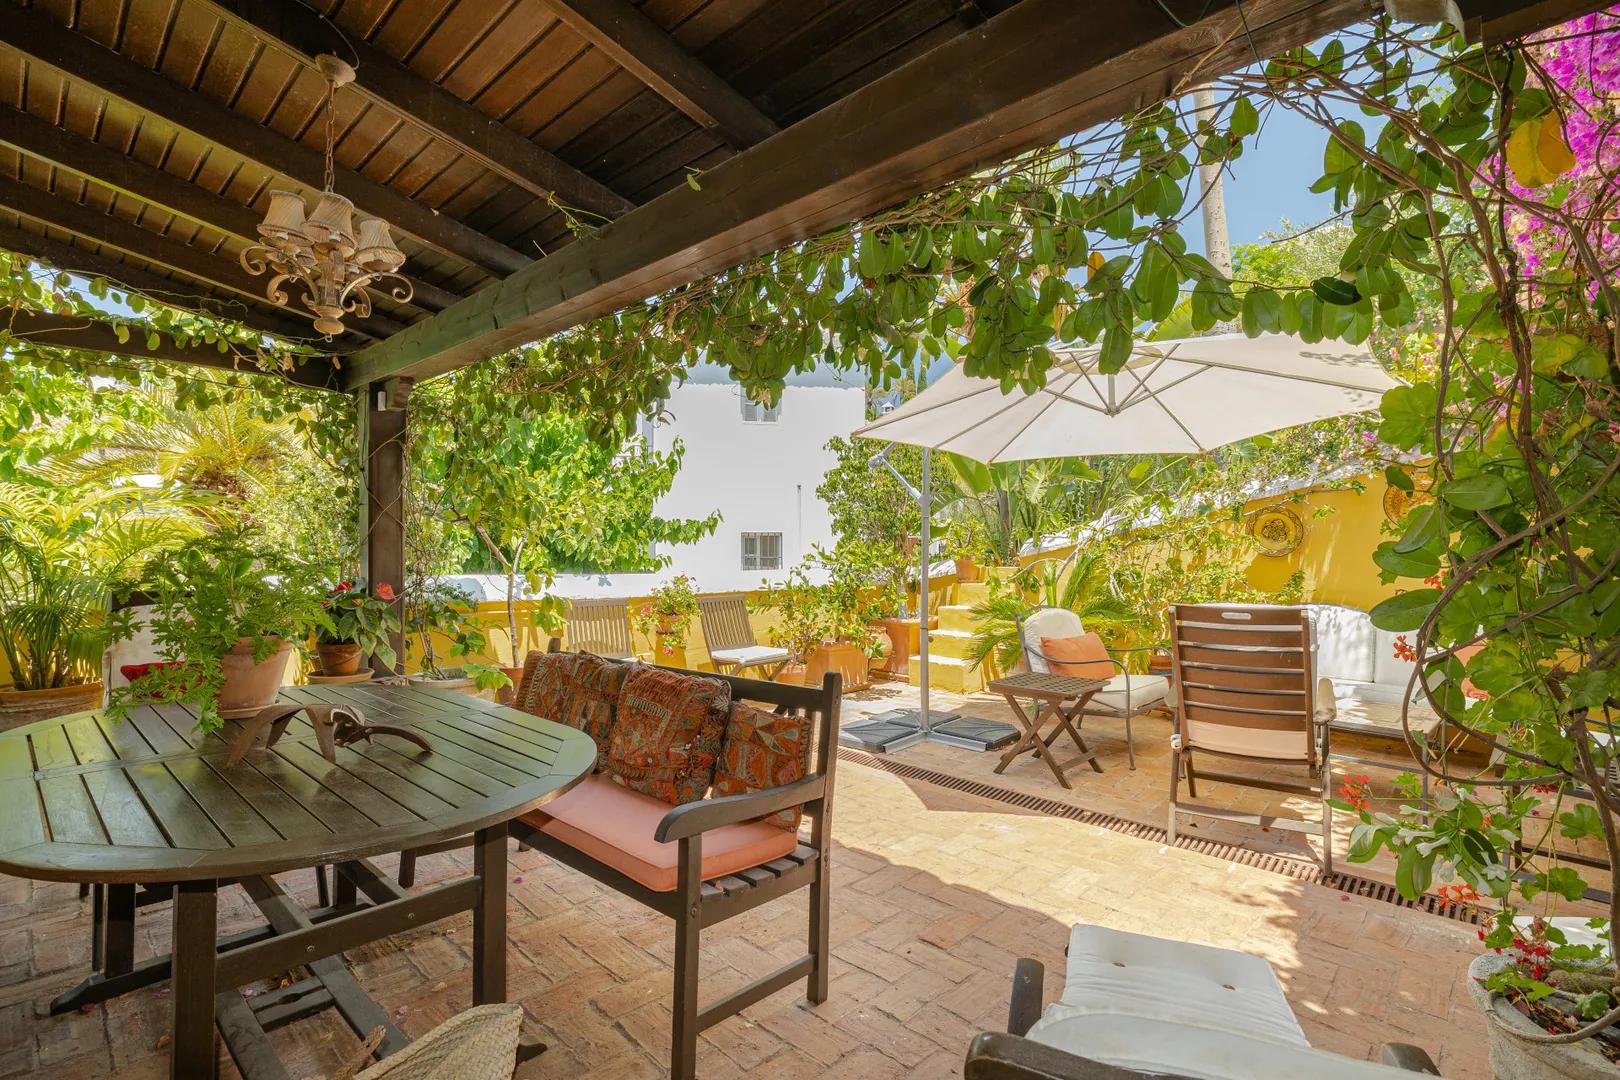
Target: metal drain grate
{"points": [[1276, 864]]}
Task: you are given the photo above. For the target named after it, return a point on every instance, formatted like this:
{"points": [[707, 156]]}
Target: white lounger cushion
{"points": [[1155, 1005], [750, 655]]}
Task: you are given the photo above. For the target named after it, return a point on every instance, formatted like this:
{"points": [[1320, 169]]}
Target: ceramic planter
{"points": [[847, 660], [251, 685], [341, 658], [967, 569], [18, 707], [903, 635], [1514, 1057], [461, 684], [507, 694]]}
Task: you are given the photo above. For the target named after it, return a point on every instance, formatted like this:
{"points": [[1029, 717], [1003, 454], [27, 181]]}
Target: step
{"points": [[968, 593], [948, 674], [958, 617], [951, 644]]}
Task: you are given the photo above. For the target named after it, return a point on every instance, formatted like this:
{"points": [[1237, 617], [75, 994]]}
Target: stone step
{"points": [[958, 617], [951, 644], [948, 674], [968, 593]]}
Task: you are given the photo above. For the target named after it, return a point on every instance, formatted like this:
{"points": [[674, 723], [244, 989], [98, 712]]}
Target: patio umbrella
{"points": [[1180, 396]]}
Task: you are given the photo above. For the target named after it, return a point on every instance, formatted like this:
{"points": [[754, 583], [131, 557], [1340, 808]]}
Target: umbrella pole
{"points": [[922, 589]]}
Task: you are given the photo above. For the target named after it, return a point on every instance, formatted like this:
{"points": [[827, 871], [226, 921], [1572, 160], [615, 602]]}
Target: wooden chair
{"points": [[601, 627], [1245, 689], [696, 904], [730, 638]]}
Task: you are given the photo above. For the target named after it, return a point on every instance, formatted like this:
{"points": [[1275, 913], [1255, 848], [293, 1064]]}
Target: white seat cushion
{"points": [[1156, 1005], [1145, 690], [1047, 622], [749, 655]]}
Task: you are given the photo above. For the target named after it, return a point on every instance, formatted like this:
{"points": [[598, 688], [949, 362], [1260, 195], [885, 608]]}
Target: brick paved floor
{"points": [[935, 895]]}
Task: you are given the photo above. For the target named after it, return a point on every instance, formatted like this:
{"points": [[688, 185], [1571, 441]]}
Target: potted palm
{"points": [[363, 624], [227, 613], [667, 616], [60, 561]]}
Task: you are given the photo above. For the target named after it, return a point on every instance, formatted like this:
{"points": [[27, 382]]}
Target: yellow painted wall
{"points": [[1336, 554]]}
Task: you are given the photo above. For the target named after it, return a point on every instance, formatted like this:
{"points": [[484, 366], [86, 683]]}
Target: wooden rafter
{"points": [[93, 335], [643, 48], [384, 81], [195, 262], [63, 256], [44, 141], [1024, 79], [81, 60]]}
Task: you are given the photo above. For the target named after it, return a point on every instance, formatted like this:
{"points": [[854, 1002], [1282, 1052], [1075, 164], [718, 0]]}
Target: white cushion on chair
{"points": [[749, 655], [1145, 690], [1052, 623], [1163, 1006]]}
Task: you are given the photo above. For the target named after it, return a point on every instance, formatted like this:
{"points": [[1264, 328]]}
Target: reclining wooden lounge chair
{"points": [[1246, 690], [1137, 1006], [601, 627], [730, 638], [1125, 697]]}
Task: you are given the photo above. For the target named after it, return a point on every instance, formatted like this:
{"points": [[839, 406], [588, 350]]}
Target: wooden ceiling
{"points": [[140, 139]]}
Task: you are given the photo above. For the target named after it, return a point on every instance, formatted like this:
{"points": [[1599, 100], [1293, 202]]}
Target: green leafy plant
{"points": [[1079, 583], [62, 557], [811, 615], [208, 594], [669, 613], [363, 619], [437, 607]]}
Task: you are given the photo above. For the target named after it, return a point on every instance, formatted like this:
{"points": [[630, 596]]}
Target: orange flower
{"points": [[385, 591]]}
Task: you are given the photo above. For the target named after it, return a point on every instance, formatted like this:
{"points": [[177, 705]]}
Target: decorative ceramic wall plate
{"points": [[1277, 529], [1398, 502]]}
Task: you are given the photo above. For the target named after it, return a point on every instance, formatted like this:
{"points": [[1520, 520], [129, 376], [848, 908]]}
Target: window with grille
{"points": [[762, 551], [755, 413]]}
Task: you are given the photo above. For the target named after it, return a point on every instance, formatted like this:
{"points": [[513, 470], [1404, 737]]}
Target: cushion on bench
{"points": [[547, 679], [750, 655], [667, 734], [763, 750], [615, 826]]}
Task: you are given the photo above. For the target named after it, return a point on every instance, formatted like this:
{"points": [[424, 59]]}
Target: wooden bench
{"points": [[696, 904]]}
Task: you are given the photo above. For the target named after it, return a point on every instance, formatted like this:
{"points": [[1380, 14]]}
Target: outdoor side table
{"points": [[1059, 698], [151, 801]]}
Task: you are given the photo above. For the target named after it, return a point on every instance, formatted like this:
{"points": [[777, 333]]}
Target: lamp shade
{"points": [[284, 217], [377, 252], [332, 223]]}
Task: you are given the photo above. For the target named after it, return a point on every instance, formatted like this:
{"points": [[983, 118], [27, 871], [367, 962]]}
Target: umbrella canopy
{"points": [[1182, 396]]}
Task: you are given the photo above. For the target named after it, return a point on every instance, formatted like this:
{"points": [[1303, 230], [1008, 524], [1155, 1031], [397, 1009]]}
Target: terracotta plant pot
{"points": [[342, 658], [791, 674], [967, 569], [249, 685], [903, 636], [506, 694], [847, 660], [18, 707]]}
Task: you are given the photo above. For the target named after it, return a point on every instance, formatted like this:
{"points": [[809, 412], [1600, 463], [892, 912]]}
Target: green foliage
{"points": [[810, 615], [62, 556], [1080, 583], [208, 594], [670, 612], [360, 618], [874, 518]]}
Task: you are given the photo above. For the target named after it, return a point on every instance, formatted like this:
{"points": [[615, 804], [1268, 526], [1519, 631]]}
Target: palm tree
{"points": [[1080, 583]]}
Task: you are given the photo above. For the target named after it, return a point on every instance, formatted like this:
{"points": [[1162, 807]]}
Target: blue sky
{"points": [[1272, 181]]}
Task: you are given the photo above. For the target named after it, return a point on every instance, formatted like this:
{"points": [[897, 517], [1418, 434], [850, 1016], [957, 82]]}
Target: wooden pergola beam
{"points": [[300, 31], [1024, 79], [197, 263], [92, 335], [44, 141], [80, 59], [63, 256], [646, 50]]}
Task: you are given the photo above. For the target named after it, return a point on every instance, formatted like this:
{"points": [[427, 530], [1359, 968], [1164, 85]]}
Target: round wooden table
{"points": [[151, 801]]}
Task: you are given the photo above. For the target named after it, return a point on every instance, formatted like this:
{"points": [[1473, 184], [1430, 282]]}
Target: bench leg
{"points": [[407, 869], [820, 932], [683, 1035]]}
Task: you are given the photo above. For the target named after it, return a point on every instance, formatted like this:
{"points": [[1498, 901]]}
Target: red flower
{"points": [[1356, 792], [1403, 650], [343, 586], [385, 591]]}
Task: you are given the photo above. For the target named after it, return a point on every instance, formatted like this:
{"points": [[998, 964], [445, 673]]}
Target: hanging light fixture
{"points": [[321, 249]]}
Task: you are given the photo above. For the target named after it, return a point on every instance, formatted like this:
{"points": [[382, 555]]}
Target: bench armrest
{"points": [[693, 818], [994, 1056], [1028, 989]]}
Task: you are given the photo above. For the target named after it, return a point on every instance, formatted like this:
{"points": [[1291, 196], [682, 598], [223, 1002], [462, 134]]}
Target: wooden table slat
{"points": [[230, 813], [124, 737], [155, 730], [430, 770], [22, 821], [124, 815], [496, 771], [475, 744], [16, 761], [86, 738], [70, 815], [315, 798], [284, 813], [52, 749], [346, 785], [174, 811]]}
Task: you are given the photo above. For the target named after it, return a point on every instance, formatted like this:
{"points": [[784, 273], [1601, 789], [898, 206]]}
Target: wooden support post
{"points": [[192, 982], [383, 416]]}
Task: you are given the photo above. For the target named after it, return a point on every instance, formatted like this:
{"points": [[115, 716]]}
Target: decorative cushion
{"points": [[1047, 622], [763, 750], [667, 736], [615, 827], [593, 699], [1083, 656], [547, 679]]}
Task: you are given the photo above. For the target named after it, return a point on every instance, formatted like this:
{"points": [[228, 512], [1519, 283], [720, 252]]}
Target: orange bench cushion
{"points": [[615, 826]]}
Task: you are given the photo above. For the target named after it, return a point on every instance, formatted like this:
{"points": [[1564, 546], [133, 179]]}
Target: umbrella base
{"points": [[898, 729]]}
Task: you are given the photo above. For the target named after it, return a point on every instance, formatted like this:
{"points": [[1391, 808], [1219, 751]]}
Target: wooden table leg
{"points": [[1032, 739], [118, 945], [1031, 733], [489, 916], [1066, 722], [196, 917]]}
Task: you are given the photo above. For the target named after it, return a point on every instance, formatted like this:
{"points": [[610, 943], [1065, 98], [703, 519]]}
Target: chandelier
{"points": [[321, 250]]}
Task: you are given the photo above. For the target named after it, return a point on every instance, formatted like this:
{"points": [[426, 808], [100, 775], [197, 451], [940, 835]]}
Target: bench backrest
{"points": [[601, 627], [725, 622]]}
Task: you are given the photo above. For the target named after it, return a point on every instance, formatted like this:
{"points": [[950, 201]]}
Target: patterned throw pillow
{"points": [[668, 734], [593, 698], [763, 750], [543, 689]]}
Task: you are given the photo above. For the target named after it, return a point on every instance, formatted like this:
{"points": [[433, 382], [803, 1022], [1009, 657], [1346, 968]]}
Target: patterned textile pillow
{"points": [[547, 679], [668, 734], [763, 750], [593, 698]]}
